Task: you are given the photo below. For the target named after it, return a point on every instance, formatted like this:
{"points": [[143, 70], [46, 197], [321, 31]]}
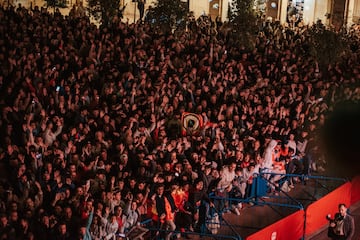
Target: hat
{"points": [[101, 171]]}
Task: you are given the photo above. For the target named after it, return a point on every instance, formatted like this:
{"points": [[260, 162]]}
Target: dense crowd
{"points": [[92, 134]]}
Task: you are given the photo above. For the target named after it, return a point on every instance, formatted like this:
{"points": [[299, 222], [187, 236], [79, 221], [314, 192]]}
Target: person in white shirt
{"points": [[272, 165], [111, 228], [291, 143], [50, 136], [131, 216], [225, 184]]}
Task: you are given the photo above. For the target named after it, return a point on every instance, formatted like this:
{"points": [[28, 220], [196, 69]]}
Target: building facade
{"points": [[335, 12]]}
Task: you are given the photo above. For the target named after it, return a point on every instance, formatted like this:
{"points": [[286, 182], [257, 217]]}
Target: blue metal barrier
{"points": [[261, 185], [155, 234], [258, 196]]}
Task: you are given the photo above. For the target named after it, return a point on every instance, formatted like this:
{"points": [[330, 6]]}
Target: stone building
{"points": [[336, 12]]}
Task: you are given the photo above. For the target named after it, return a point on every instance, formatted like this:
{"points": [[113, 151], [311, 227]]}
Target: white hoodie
{"points": [[268, 154]]}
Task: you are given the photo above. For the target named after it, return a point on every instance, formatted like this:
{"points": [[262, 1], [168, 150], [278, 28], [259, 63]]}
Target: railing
{"points": [[259, 196], [155, 233], [262, 184], [260, 193]]}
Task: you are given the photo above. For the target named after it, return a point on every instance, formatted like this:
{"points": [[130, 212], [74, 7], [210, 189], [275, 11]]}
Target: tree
{"points": [[243, 21], [104, 10], [325, 45], [56, 3], [168, 14]]}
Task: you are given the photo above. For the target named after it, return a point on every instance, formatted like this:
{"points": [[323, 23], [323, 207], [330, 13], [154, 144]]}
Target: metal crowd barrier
{"points": [[259, 196], [155, 233]]}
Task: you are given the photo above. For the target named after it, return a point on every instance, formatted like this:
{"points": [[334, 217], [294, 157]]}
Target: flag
{"points": [[192, 123]]}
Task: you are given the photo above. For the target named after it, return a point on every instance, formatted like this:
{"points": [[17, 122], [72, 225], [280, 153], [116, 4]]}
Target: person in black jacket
{"points": [[198, 199], [342, 227], [165, 207]]}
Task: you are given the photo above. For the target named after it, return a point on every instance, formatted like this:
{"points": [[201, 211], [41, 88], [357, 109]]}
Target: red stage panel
{"points": [[287, 228], [355, 190], [316, 212]]}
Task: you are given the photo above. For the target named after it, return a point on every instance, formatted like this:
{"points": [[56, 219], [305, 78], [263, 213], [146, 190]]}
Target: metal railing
{"points": [[260, 192], [259, 196], [155, 233]]}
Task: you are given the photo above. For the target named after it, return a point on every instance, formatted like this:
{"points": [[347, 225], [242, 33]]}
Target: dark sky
{"points": [[342, 140]]}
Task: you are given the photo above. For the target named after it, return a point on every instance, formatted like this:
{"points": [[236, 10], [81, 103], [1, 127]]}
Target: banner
{"points": [[192, 123], [291, 227], [316, 212]]}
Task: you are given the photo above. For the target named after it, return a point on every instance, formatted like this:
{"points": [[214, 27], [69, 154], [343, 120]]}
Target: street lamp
{"points": [[135, 2]]}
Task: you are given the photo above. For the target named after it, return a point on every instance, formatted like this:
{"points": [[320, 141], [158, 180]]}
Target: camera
{"points": [[336, 219]]}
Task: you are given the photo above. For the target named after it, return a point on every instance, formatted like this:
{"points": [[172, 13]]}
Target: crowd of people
{"points": [[92, 134]]}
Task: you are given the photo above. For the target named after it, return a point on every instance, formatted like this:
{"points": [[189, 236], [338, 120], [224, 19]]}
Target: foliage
{"points": [[56, 4], [325, 45], [104, 10], [167, 14], [243, 20]]}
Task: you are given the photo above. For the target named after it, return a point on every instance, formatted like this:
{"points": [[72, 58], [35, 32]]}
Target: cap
{"points": [[101, 171]]}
